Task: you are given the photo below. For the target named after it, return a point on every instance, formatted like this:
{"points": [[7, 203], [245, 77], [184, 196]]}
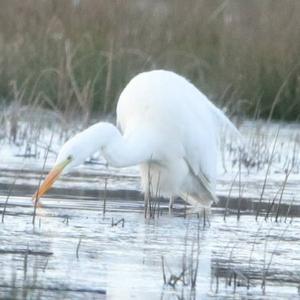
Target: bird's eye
{"points": [[69, 157]]}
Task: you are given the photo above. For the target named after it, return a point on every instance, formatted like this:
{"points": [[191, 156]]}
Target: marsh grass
{"points": [[183, 281], [76, 56], [268, 153], [236, 274], [267, 174], [152, 197], [7, 198]]}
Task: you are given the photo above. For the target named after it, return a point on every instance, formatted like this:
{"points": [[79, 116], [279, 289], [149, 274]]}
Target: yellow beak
{"points": [[50, 179]]}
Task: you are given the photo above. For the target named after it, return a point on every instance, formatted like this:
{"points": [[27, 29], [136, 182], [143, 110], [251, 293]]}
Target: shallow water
{"points": [[76, 251]]}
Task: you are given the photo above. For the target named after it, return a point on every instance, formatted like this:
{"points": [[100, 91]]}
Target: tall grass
{"points": [[76, 56]]}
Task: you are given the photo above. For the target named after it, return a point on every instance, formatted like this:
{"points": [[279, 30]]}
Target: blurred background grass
{"points": [[75, 56]]}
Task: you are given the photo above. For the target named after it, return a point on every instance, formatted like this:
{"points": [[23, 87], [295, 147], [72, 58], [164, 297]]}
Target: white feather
{"points": [[185, 126], [169, 128]]}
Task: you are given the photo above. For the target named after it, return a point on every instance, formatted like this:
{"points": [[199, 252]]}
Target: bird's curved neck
{"points": [[123, 151]]}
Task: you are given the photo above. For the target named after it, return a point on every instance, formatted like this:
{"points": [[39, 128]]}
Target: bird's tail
{"points": [[224, 122]]}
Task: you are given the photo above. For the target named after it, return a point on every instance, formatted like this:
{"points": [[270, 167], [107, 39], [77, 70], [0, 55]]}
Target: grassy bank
{"points": [[76, 56]]}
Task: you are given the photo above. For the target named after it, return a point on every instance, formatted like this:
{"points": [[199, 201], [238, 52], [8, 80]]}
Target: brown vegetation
{"points": [[76, 56]]}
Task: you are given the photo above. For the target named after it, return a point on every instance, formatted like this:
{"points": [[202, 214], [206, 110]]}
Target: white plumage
{"points": [[168, 127]]}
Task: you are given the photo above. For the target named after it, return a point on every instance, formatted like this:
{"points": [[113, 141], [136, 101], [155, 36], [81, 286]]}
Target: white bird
{"points": [[167, 127]]}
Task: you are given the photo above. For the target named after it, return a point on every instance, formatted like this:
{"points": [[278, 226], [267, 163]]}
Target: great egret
{"points": [[167, 127]]}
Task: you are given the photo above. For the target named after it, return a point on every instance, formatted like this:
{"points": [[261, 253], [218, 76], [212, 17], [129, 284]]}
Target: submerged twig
{"points": [[240, 187], [121, 221], [228, 197], [266, 269], [25, 263], [251, 253], [8, 196], [36, 200], [282, 191], [163, 269], [267, 174], [288, 211], [270, 205], [187, 277], [105, 196], [77, 248]]}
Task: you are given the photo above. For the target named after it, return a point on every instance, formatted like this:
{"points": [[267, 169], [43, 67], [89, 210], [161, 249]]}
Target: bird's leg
{"points": [[146, 202], [171, 202]]}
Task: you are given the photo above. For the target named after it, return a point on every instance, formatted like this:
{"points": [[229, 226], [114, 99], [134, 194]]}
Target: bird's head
{"points": [[74, 152]]}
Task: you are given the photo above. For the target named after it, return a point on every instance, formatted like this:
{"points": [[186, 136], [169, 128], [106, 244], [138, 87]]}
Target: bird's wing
{"points": [[202, 133], [200, 144], [203, 183]]}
